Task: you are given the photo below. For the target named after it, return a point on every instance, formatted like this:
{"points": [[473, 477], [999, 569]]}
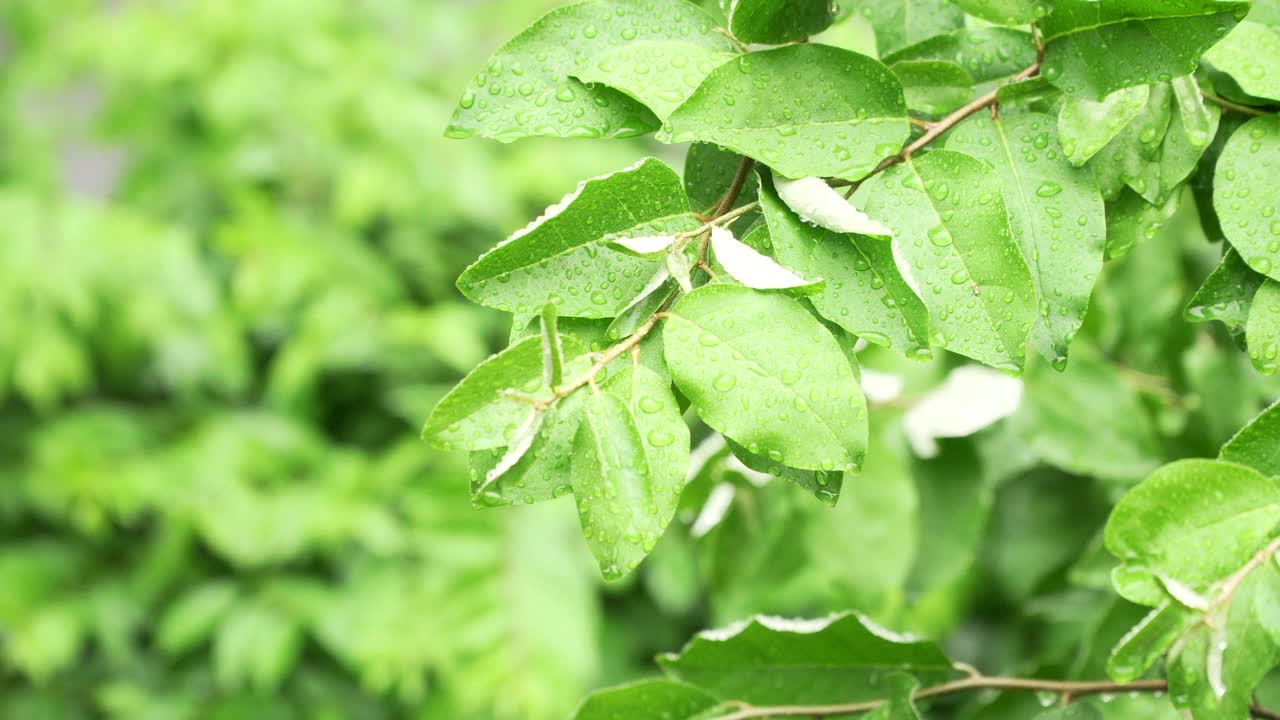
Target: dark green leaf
{"points": [[1226, 294], [774, 22], [708, 172], [933, 87], [987, 53], [646, 700], [899, 23]]}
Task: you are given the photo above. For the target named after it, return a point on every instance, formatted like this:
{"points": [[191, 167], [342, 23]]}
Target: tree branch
{"points": [[735, 188], [1228, 105]]}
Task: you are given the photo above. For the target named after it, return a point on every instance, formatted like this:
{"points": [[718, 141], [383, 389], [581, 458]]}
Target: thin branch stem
{"points": [[735, 188], [1233, 583], [1228, 105], [1075, 689]]}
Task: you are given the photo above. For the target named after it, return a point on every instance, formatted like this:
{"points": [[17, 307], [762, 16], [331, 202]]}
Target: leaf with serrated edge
{"points": [[845, 111], [762, 370], [949, 221], [751, 268], [527, 270], [819, 203]]}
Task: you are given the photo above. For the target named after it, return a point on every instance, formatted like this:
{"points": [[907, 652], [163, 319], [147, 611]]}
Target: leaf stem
{"points": [[735, 188], [1227, 104]]}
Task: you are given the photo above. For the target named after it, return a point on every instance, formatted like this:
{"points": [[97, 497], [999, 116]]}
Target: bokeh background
{"points": [[228, 237]]}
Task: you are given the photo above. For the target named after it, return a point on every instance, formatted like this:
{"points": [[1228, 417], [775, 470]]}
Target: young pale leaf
{"points": [[1006, 12], [899, 23], [774, 22], [763, 371], [751, 268], [970, 399], [552, 348], [988, 54], [1247, 164], [950, 223], [864, 293], [845, 111], [528, 269], [647, 700], [1226, 294], [647, 245], [1195, 521], [1258, 443], [659, 73], [817, 202], [479, 413], [933, 87], [1144, 42], [1199, 121], [1086, 126], [622, 505], [1250, 54], [520, 445], [773, 661], [527, 88], [1148, 641], [1056, 214], [1263, 328]]}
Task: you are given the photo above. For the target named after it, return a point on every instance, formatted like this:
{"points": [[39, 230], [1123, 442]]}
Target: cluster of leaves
{"points": [[998, 154]]}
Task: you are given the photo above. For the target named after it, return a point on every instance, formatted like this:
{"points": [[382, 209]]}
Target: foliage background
{"points": [[228, 238]]}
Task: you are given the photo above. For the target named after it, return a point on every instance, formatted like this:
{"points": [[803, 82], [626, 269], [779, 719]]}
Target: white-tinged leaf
{"points": [[655, 282], [819, 203], [520, 445], [1183, 593], [645, 246], [678, 266], [751, 268], [971, 398]]}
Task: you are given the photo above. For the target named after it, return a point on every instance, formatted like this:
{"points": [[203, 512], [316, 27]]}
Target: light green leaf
{"points": [[1131, 220], [950, 225], [763, 371], [933, 87], [898, 705], [646, 700], [769, 661], [542, 473], [1006, 12], [1194, 521], [1226, 294], [528, 269], [843, 112], [627, 470], [1263, 328], [1199, 121], [479, 413], [527, 88], [1247, 165], [708, 172], [1139, 42], [864, 292], [774, 22], [662, 74], [1250, 54], [1075, 711], [1148, 641], [824, 485], [1055, 212], [988, 54], [1258, 443], [1087, 420], [195, 615], [899, 23], [1086, 126], [256, 646]]}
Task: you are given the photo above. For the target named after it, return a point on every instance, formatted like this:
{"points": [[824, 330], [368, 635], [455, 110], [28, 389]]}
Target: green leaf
{"points": [[1076, 711], [527, 88], [1006, 12], [898, 705], [844, 112], [1143, 42], [1131, 220], [1250, 54], [1246, 165], [528, 269], [1056, 214], [1086, 126], [195, 615], [1258, 443], [933, 87], [1199, 120], [1148, 641], [662, 74], [988, 54], [763, 371], [823, 484], [1087, 420], [1263, 329], [646, 700], [1226, 294], [708, 172], [1194, 521], [950, 225], [542, 473], [771, 661], [774, 22], [899, 23], [478, 413], [629, 461], [864, 292]]}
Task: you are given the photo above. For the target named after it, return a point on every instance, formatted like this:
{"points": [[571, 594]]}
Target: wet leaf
{"points": [[774, 22], [1248, 164], [1258, 443], [1263, 328]]}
